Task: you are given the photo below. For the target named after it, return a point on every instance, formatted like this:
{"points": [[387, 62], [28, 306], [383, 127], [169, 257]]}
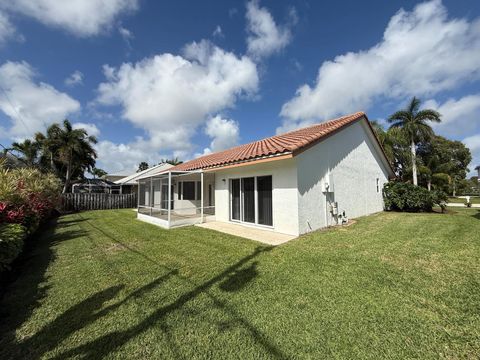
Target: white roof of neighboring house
{"points": [[132, 179]]}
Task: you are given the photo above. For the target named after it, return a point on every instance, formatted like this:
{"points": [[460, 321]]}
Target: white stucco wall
{"points": [[352, 159], [284, 192]]}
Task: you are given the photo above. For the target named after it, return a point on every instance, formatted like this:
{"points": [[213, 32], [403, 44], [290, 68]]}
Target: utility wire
{"points": [[16, 111]]}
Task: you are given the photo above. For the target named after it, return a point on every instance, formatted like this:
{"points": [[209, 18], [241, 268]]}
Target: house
{"points": [[128, 184], [95, 186], [292, 183], [114, 177]]}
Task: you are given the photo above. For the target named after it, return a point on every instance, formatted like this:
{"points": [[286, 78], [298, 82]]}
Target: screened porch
{"points": [[172, 199]]}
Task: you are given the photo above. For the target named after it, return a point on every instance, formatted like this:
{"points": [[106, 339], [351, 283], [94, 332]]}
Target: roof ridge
{"points": [[277, 144]]}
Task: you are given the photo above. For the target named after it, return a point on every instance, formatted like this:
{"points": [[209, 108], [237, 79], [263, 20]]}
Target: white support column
{"points": [[169, 205], [138, 196], [201, 196], [150, 197]]}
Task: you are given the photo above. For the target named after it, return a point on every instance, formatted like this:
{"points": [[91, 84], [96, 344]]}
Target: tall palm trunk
{"points": [[68, 174], [414, 162]]}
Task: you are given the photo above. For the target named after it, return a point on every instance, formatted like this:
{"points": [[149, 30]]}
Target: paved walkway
{"points": [[264, 236], [477, 206]]}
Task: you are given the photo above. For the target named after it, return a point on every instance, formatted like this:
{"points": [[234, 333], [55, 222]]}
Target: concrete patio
{"points": [[263, 236]]}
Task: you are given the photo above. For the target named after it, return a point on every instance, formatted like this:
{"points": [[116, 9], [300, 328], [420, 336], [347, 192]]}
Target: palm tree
{"points": [[413, 123], [96, 172], [29, 150], [72, 148]]}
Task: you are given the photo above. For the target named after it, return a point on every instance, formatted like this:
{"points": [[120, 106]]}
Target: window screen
{"points": [[188, 190]]}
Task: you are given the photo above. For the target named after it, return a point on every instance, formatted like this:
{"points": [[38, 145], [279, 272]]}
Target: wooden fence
{"points": [[85, 201]]}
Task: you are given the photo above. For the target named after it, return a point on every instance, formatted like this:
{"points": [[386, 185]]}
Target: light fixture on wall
{"points": [[224, 180]]}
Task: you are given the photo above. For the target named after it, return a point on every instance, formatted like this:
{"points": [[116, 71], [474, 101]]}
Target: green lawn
{"points": [[104, 285], [473, 200]]}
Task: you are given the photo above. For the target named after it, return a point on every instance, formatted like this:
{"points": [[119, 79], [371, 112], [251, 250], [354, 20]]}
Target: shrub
{"points": [[400, 196], [27, 196], [11, 243]]}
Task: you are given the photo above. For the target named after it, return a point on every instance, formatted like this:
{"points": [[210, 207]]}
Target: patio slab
{"points": [[264, 236]]}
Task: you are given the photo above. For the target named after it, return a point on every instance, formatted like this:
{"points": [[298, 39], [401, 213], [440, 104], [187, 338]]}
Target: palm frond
{"points": [[401, 115], [428, 114], [414, 105]]}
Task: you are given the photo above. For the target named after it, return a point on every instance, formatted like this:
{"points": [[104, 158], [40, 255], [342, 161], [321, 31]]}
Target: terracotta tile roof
{"points": [[291, 142]]}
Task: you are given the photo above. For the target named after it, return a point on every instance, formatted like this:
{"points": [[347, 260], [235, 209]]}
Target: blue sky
{"points": [[156, 79]]}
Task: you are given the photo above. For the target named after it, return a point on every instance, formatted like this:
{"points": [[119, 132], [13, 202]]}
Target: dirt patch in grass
{"points": [[114, 248]]}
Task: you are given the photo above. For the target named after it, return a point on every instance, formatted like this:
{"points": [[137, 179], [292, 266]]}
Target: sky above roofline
{"points": [[166, 79]]}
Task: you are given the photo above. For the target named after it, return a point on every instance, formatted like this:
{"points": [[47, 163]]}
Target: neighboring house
{"points": [[128, 184], [291, 183], [113, 177], [95, 186]]}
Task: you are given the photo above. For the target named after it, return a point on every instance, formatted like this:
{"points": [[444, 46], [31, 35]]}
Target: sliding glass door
{"points": [[235, 199], [264, 191], [248, 197], [251, 200]]}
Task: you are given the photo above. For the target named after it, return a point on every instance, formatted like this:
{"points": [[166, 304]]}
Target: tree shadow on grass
{"points": [[239, 279], [106, 344], [21, 291], [476, 215], [81, 315]]}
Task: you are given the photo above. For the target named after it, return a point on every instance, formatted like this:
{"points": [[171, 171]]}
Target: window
{"points": [[188, 190], [378, 185], [251, 200]]}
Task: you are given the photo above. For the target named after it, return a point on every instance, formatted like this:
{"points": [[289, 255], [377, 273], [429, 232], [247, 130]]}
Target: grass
{"points": [[457, 200], [103, 285]]}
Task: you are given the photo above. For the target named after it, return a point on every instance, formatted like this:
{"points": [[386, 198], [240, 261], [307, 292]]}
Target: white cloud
{"points": [[75, 78], [125, 33], [124, 158], [91, 129], [169, 96], [422, 52], [31, 105], [218, 32], [458, 116], [8, 31], [81, 17], [473, 143], [265, 37], [225, 133]]}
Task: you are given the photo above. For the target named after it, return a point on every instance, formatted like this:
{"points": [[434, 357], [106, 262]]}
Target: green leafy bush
{"points": [[27, 196], [401, 196], [11, 243]]}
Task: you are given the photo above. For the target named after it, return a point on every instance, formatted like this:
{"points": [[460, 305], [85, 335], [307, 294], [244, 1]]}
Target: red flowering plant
{"points": [[27, 196]]}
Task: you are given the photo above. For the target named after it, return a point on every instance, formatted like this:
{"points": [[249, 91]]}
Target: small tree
{"points": [[174, 161], [96, 172], [142, 166]]}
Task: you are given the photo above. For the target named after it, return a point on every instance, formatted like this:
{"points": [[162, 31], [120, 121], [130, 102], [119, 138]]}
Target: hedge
{"points": [[12, 237], [400, 196]]}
